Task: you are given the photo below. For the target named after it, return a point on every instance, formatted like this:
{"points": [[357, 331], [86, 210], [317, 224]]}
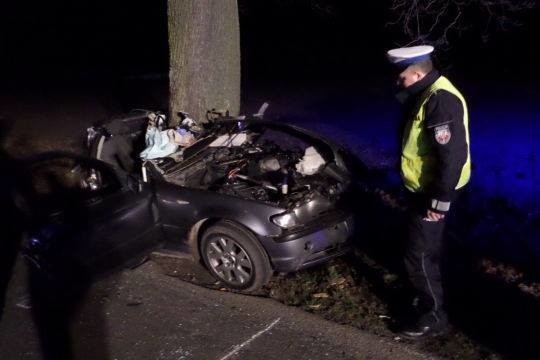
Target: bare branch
{"points": [[435, 21]]}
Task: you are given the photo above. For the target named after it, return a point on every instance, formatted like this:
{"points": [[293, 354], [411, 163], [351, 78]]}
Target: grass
{"points": [[340, 293], [334, 291]]}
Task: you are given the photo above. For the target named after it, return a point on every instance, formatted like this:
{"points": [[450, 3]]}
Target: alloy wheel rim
{"points": [[229, 260]]}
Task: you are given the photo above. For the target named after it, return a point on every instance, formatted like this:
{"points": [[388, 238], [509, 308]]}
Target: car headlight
{"points": [[285, 220]]}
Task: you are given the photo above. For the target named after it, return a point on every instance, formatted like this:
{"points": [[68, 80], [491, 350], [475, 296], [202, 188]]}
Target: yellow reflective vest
{"points": [[417, 160]]}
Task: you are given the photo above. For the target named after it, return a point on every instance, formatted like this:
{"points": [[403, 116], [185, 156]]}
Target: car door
{"points": [[106, 218]]}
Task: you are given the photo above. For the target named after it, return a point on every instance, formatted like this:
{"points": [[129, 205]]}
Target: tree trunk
{"points": [[204, 57]]}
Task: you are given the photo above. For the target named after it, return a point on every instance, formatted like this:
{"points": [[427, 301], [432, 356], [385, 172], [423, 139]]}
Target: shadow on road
{"points": [[12, 219], [55, 299]]}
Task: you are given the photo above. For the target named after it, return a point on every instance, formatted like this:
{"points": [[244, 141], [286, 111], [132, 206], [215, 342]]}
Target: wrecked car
{"points": [[249, 198]]}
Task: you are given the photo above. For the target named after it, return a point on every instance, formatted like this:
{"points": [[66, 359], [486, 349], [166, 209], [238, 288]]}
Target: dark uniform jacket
{"points": [[442, 109]]}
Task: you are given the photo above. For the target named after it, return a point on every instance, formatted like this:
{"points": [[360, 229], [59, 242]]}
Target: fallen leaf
{"points": [[390, 278], [338, 281], [320, 295]]}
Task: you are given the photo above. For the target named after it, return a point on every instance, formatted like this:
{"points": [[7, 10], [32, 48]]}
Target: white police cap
{"points": [[406, 56]]}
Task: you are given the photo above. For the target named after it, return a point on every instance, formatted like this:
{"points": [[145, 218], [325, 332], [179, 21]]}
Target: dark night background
{"points": [[281, 40]]}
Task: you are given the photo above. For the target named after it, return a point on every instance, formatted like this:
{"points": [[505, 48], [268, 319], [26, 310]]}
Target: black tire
{"points": [[250, 257]]}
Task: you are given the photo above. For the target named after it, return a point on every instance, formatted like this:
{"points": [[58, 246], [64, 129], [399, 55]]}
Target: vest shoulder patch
{"points": [[443, 134]]}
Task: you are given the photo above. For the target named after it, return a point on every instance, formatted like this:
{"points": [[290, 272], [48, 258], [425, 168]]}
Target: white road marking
{"points": [[237, 348]]}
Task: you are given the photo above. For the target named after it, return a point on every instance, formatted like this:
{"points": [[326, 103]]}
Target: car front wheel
{"points": [[235, 257]]}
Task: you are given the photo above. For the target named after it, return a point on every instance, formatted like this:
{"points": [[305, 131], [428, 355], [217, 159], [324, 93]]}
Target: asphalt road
{"points": [[145, 314]]}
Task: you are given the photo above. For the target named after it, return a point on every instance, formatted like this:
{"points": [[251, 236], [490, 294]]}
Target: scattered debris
{"points": [[532, 289], [511, 276], [134, 301], [320, 295], [390, 278], [338, 281], [506, 272], [24, 302]]}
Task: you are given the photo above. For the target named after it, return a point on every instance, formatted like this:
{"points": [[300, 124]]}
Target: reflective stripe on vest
{"points": [[417, 161]]}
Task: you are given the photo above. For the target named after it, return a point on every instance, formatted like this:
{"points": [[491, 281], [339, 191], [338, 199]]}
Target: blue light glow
{"points": [[505, 150]]}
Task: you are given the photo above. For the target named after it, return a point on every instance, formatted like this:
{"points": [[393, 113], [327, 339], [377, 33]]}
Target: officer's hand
{"points": [[433, 216]]}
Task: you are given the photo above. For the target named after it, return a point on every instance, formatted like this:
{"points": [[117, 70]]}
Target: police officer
{"points": [[435, 165]]}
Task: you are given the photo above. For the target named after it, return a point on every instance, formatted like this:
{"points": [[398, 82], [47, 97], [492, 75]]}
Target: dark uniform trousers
{"points": [[422, 260]]}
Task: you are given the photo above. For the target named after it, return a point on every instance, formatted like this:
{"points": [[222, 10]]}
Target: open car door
{"points": [[89, 217]]}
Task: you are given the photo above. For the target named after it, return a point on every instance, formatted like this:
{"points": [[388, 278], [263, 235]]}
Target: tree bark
{"points": [[204, 57]]}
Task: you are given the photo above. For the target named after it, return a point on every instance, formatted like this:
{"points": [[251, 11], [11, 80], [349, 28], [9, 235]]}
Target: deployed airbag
{"points": [[310, 163]]}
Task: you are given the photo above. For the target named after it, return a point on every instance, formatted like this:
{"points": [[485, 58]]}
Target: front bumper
{"points": [[311, 244]]}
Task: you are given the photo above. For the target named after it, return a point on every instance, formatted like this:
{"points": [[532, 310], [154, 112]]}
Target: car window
{"points": [[68, 176]]}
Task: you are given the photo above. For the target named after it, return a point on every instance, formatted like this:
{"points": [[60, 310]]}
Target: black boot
{"points": [[429, 325]]}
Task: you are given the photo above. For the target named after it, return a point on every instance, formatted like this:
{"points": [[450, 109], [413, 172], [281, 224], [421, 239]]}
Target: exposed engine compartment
{"points": [[265, 167], [258, 160]]}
